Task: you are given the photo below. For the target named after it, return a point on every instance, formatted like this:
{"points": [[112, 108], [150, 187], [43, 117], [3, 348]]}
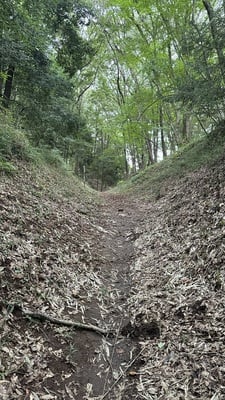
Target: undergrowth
{"points": [[47, 167], [7, 168], [191, 157], [15, 145]]}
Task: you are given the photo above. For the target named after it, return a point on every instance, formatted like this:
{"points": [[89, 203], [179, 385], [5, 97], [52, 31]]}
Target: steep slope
{"points": [[179, 281], [48, 265]]}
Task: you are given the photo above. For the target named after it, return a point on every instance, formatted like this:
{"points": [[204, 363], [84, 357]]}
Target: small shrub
{"points": [[52, 157], [14, 143], [7, 168]]}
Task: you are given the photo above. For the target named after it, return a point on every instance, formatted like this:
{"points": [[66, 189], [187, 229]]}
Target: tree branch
{"points": [[44, 317]]}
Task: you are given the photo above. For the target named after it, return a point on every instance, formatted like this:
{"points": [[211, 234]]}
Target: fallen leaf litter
{"points": [[51, 261]]}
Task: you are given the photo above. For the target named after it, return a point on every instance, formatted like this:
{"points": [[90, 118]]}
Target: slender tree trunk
{"points": [[172, 142], [213, 27], [150, 150], [8, 86], [125, 160], [133, 158], [66, 151], [102, 179], [126, 163], [185, 128], [193, 11], [1, 90], [1, 86], [140, 159], [169, 47], [163, 143], [155, 144], [97, 185]]}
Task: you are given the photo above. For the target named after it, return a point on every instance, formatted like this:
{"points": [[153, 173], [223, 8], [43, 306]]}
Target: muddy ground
{"points": [[148, 271]]}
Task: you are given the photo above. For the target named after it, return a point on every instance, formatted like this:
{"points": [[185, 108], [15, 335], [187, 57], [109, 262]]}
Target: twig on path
{"points": [[123, 373], [112, 354], [45, 317]]}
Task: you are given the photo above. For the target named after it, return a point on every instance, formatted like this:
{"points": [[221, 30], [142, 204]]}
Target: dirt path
{"points": [[157, 264], [102, 361]]}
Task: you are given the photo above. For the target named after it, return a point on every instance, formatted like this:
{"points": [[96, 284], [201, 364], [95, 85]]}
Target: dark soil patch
{"points": [[147, 330]]}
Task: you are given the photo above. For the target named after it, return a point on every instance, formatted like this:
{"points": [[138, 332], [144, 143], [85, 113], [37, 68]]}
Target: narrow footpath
{"points": [[107, 365]]}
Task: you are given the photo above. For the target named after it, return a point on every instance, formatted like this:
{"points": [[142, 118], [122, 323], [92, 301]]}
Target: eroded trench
{"points": [[125, 266], [88, 265]]}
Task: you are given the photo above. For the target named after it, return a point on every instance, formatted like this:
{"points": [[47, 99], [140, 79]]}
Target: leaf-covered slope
{"points": [[179, 280], [193, 156], [48, 263], [41, 233]]}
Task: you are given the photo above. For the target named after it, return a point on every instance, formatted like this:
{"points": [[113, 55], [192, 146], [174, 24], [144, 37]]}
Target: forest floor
{"points": [[149, 272]]}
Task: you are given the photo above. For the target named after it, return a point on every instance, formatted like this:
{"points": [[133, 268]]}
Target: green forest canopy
{"points": [[113, 86]]}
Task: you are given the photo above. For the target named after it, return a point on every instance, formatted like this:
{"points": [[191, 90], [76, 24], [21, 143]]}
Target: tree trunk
{"points": [[125, 161], [150, 152], [102, 180], [193, 11], [8, 86], [172, 142], [214, 33], [155, 144], [185, 128], [163, 143], [133, 158], [1, 86], [140, 159]]}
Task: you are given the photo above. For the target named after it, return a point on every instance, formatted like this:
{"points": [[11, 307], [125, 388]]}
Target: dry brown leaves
{"points": [[48, 263], [57, 258], [179, 281]]}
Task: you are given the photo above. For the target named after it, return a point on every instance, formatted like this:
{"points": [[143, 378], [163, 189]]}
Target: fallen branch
{"points": [[53, 320]]}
